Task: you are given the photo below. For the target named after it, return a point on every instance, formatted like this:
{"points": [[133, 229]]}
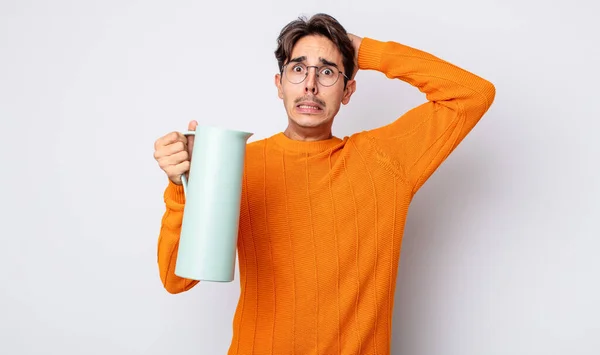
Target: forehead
{"points": [[316, 47]]}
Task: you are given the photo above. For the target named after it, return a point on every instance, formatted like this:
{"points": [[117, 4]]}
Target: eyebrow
{"points": [[322, 60]]}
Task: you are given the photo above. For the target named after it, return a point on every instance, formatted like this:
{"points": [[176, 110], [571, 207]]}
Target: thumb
{"points": [[190, 139]]}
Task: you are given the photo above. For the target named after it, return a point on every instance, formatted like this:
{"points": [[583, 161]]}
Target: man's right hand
{"points": [[173, 153], [356, 42]]}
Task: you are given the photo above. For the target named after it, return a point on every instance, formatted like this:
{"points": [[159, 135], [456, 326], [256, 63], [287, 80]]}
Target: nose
{"points": [[310, 83]]}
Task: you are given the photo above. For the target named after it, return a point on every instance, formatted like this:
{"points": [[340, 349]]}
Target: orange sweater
{"points": [[321, 223]]}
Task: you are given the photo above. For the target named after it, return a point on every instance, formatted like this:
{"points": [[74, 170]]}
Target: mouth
{"points": [[309, 107]]}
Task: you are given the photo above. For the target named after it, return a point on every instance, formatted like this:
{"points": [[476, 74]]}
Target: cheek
{"points": [[290, 94], [288, 99], [335, 99]]}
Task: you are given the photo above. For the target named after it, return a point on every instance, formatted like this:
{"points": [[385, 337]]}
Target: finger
{"points": [[168, 161], [192, 125], [175, 171], [170, 149], [168, 139]]}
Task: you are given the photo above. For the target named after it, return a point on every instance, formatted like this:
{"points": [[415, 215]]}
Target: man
{"points": [[322, 217]]}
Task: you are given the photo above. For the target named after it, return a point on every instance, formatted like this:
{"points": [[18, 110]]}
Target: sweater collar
{"points": [[303, 146]]}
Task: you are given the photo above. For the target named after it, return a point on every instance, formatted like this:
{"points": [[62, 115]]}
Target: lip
{"points": [[315, 107]]}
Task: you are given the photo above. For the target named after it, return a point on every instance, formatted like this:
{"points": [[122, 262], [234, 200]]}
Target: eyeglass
{"points": [[327, 75]]}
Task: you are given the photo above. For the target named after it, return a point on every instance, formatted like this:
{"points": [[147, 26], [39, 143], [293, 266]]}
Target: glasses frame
{"points": [[316, 73]]}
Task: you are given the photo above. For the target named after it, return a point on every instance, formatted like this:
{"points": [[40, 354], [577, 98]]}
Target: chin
{"points": [[307, 121]]}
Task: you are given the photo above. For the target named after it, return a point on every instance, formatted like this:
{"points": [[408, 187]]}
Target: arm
{"points": [[419, 141], [168, 240]]}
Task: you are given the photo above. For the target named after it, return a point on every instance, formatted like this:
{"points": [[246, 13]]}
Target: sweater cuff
{"points": [[174, 196], [369, 54]]}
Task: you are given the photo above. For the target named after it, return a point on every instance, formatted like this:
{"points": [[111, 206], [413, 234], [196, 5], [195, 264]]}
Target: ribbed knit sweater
{"points": [[321, 223]]}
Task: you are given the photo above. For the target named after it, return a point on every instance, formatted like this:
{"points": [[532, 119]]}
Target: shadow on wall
{"points": [[437, 233]]}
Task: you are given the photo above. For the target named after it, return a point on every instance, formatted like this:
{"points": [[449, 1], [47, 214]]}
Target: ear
{"points": [[350, 89], [278, 84]]}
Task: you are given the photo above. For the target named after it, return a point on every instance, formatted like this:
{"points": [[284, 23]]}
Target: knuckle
{"points": [[162, 163], [184, 155], [167, 168], [159, 153]]}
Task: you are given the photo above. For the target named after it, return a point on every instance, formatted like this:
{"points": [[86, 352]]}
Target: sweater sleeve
{"points": [[420, 140], [168, 240]]}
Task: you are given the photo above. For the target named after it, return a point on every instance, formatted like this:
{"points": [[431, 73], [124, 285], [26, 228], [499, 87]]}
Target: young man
{"points": [[322, 217]]}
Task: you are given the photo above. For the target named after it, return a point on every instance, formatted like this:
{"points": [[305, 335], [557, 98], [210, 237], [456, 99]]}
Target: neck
{"points": [[308, 134]]}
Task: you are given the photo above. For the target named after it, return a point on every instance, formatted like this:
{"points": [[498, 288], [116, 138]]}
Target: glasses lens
{"points": [[297, 72], [328, 75]]}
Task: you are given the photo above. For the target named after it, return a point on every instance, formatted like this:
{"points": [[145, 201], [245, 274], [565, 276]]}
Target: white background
{"points": [[501, 247]]}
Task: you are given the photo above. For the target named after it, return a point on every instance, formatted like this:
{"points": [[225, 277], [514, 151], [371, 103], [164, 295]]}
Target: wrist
{"points": [[356, 44], [174, 196]]}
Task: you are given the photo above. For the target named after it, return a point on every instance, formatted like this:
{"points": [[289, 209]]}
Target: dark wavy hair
{"points": [[319, 24]]}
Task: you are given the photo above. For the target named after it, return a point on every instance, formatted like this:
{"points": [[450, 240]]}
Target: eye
{"points": [[297, 68], [327, 71]]}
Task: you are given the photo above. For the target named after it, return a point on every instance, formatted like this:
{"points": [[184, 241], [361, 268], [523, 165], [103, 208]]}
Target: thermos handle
{"points": [[183, 178]]}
